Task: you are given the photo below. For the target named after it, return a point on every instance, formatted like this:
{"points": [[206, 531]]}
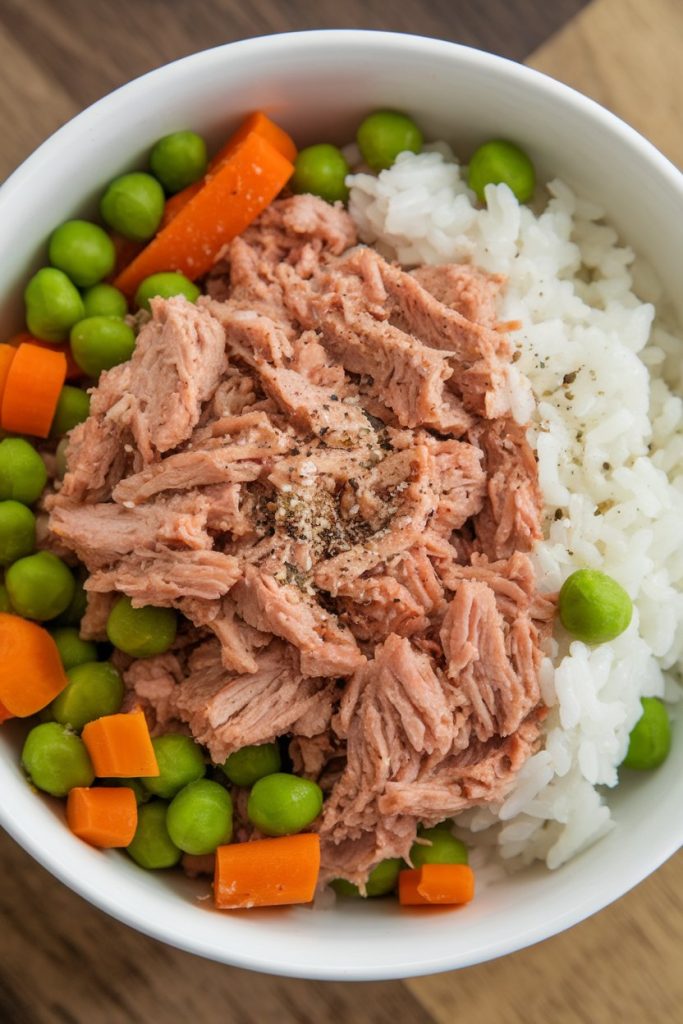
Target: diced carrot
{"points": [[105, 817], [73, 370], [436, 883], [7, 354], [120, 746], [226, 204], [31, 671], [5, 715], [35, 378], [267, 872], [257, 122]]}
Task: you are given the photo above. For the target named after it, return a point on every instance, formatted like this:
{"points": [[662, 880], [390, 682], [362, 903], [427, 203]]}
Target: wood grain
{"points": [[627, 55], [85, 48], [62, 960]]}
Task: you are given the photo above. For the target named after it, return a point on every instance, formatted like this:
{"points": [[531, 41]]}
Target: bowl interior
{"points": [[318, 85]]}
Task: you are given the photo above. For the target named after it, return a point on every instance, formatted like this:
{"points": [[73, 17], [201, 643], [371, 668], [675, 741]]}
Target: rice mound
{"points": [[608, 432]]}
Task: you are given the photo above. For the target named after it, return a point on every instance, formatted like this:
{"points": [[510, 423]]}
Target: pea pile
{"points": [[71, 300]]}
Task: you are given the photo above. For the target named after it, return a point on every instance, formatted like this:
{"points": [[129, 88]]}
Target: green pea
{"points": [[40, 586], [593, 607], [72, 650], [381, 880], [133, 205], [83, 251], [56, 759], [281, 804], [141, 632], [61, 465], [385, 134], [444, 849], [53, 305], [650, 740], [180, 762], [152, 847], [5, 605], [22, 471], [249, 764], [499, 162], [178, 160], [17, 531], [104, 300], [321, 170], [101, 342], [94, 689], [200, 817], [73, 406], [165, 285], [75, 610], [139, 791]]}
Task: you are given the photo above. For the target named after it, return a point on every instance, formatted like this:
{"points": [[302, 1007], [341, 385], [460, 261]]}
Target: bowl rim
{"points": [[614, 884]]}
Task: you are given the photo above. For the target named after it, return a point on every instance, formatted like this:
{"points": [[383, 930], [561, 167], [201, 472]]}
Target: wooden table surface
{"points": [[60, 959]]}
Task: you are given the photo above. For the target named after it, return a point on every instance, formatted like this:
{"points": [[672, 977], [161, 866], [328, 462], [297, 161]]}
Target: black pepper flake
{"points": [[558, 514], [606, 466], [569, 378]]}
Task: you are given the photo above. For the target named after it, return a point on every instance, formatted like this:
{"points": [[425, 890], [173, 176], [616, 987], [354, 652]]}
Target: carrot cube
{"points": [[31, 671], [436, 883], [120, 746], [104, 817], [267, 872]]}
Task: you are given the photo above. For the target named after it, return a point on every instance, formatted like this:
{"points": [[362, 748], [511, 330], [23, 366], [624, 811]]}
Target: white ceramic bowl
{"points": [[318, 85]]}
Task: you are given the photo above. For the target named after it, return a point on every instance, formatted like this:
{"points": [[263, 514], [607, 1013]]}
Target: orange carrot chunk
{"points": [[34, 381], [120, 746], [104, 817], [31, 671], [267, 872], [228, 201], [4, 713], [73, 370], [257, 122], [7, 354], [261, 124], [436, 883]]}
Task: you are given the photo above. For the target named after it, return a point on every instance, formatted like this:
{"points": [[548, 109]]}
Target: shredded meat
{"points": [[318, 467]]}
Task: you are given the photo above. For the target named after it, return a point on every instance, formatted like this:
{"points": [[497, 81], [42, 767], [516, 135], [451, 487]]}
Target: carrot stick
{"points": [[34, 381], [7, 354], [73, 370], [261, 124], [105, 817], [120, 746], [436, 883], [257, 122], [31, 671], [174, 204], [5, 715], [226, 204], [267, 872]]}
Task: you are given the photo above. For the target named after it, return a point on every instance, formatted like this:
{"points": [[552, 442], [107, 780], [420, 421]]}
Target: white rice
{"points": [[610, 455]]}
